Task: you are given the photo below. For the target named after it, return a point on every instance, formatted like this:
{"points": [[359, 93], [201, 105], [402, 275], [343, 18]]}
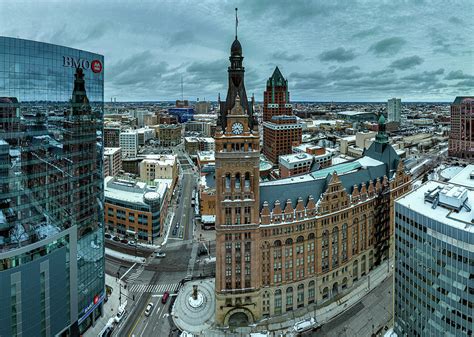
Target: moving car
{"points": [[165, 297], [149, 309], [108, 236], [160, 254], [116, 238]]}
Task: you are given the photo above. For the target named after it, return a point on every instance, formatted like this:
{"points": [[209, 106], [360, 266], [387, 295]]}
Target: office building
{"points": [[281, 130], [159, 167], [170, 134], [394, 110], [202, 107], [434, 242], [301, 241], [111, 136], [51, 205], [203, 128], [112, 161], [295, 164], [134, 209], [461, 137], [193, 145], [129, 143], [144, 135]]}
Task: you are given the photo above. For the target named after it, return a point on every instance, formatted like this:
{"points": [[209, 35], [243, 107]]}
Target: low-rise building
{"points": [[134, 209], [205, 158], [357, 116], [112, 161], [170, 134], [159, 167], [144, 135], [294, 164], [193, 145], [207, 196]]}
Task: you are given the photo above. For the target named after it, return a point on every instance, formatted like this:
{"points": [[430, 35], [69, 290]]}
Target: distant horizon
{"points": [[292, 102]]}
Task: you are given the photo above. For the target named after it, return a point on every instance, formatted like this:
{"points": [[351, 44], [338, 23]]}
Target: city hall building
{"points": [[51, 194], [300, 241]]}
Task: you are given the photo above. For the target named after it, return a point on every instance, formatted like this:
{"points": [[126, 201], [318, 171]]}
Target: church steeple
{"points": [[236, 85]]}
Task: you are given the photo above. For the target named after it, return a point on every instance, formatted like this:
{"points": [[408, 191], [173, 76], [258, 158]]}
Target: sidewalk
{"points": [[110, 307], [283, 324]]}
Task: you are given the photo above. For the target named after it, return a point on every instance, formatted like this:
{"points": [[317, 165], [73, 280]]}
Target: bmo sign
{"points": [[95, 66]]}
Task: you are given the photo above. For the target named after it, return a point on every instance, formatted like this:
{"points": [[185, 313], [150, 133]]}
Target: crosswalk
{"points": [[136, 274], [154, 288]]}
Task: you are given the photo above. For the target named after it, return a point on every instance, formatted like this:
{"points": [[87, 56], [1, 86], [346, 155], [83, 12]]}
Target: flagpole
{"points": [[236, 22]]}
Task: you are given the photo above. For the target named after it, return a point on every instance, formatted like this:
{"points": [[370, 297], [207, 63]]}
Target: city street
{"points": [[368, 316]]}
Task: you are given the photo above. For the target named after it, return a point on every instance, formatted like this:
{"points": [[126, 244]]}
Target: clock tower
{"points": [[238, 263]]}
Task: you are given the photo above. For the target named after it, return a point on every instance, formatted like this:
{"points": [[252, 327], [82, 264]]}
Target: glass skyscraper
{"points": [[434, 273], [51, 189]]}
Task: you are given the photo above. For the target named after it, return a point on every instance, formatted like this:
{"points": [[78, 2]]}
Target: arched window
{"points": [[237, 181], [355, 237], [227, 181], [311, 292], [335, 247], [289, 241], [289, 298], [278, 302], [344, 243], [335, 289], [362, 265], [247, 181], [344, 283], [325, 293], [325, 251], [300, 238], [355, 271], [300, 296]]}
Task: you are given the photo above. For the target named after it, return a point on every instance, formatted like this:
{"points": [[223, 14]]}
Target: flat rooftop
{"points": [[463, 178], [415, 200]]}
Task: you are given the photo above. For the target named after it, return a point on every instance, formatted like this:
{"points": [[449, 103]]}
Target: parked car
{"points": [[132, 243], [165, 297], [108, 236], [116, 238], [149, 309], [175, 231], [160, 254], [124, 241]]}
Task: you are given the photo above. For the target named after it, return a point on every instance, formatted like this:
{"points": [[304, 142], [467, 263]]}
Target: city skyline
{"points": [[367, 52]]}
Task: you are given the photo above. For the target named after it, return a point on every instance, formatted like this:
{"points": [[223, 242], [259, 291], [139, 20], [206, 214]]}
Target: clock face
{"points": [[237, 128]]}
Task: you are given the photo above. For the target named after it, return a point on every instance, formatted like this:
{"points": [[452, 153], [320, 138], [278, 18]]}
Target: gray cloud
{"points": [[407, 62], [458, 75], [425, 76], [366, 33], [388, 46], [285, 56], [455, 20], [337, 55], [137, 69]]}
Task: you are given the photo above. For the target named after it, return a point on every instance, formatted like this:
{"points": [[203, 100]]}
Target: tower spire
{"points": [[236, 22]]}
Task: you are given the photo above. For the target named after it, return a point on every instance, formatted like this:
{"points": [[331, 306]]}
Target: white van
{"points": [[306, 325]]}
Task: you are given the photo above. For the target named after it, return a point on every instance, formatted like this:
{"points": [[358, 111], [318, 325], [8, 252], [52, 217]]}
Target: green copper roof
{"points": [[277, 79], [381, 119]]}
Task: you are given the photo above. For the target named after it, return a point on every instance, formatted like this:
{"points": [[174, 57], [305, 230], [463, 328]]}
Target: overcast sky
{"points": [[328, 50]]}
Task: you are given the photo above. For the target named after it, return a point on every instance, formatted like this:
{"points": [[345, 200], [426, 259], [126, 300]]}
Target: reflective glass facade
{"points": [[51, 185], [434, 275]]}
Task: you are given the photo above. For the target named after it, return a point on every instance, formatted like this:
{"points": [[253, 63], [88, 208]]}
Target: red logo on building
{"points": [[96, 297], [96, 66]]}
